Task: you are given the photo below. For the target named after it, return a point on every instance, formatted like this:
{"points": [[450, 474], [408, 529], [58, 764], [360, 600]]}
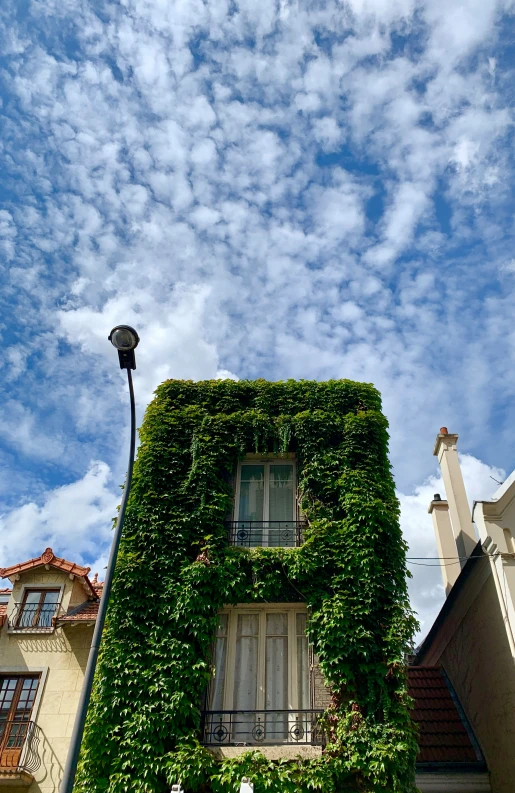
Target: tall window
{"points": [[262, 672], [38, 608], [265, 502], [17, 695]]}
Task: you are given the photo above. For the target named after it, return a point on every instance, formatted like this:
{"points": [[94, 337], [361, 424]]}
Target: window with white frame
{"points": [[265, 505], [261, 674]]}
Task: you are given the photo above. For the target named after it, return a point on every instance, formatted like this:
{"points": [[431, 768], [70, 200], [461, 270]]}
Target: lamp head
{"points": [[125, 339]]}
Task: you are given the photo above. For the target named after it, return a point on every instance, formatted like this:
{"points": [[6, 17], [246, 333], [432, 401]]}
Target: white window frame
{"points": [[291, 609], [266, 462]]}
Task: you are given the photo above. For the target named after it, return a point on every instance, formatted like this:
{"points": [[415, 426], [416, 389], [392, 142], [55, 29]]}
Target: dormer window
{"points": [[265, 512], [38, 608]]}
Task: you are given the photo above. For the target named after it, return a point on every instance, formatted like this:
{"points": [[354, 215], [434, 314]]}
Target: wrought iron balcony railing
{"points": [[19, 747], [258, 727], [266, 533], [32, 616]]}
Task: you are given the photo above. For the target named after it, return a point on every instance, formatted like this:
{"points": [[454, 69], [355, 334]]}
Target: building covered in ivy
{"points": [[259, 620]]}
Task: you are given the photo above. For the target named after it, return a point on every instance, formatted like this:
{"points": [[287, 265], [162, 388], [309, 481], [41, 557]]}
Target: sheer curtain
{"points": [[218, 686], [251, 504], [245, 675], [276, 675], [302, 672], [280, 501]]}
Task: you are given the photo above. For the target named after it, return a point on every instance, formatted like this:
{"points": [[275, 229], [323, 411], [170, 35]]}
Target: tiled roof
{"points": [[443, 736], [48, 558], [86, 612]]}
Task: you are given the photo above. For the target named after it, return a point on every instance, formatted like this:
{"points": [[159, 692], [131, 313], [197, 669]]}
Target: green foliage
{"points": [[143, 726]]}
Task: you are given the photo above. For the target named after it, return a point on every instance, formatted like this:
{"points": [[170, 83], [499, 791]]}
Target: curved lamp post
{"points": [[125, 339]]}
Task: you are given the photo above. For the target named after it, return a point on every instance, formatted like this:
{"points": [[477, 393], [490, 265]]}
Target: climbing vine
{"points": [[176, 570]]}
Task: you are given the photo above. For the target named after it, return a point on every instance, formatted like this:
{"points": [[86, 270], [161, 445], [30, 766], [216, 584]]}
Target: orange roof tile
{"points": [[48, 558], [443, 734], [86, 612]]}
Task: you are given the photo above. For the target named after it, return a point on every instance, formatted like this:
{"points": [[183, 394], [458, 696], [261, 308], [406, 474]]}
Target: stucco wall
{"points": [[480, 666], [63, 656]]}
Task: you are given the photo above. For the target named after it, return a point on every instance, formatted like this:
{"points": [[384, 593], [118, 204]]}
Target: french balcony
{"points": [[262, 727], [33, 618], [266, 533], [19, 753]]}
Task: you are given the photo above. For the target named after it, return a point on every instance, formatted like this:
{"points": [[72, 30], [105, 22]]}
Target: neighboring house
{"points": [[472, 639], [46, 627]]}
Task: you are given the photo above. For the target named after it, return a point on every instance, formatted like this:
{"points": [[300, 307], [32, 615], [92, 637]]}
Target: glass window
{"points": [[17, 695], [266, 509], [38, 608], [261, 676]]}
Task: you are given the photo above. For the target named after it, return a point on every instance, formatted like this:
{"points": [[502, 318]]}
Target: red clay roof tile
{"points": [[443, 737], [48, 558], [86, 612]]}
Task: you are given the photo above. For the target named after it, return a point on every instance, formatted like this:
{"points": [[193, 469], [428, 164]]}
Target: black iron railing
{"points": [[266, 533], [19, 747], [32, 616], [257, 727]]}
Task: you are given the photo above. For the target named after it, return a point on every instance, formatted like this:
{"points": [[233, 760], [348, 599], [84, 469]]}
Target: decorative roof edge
{"points": [[49, 559]]}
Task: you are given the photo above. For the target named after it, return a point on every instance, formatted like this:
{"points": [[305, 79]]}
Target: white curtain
{"points": [[245, 674], [276, 675], [218, 687], [251, 492], [302, 663], [280, 500]]}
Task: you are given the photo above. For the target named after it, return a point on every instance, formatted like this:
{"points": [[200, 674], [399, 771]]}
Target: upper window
{"points": [[265, 505], [38, 608]]}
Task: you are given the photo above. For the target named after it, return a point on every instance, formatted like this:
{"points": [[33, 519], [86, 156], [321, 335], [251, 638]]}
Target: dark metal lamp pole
{"points": [[125, 339]]}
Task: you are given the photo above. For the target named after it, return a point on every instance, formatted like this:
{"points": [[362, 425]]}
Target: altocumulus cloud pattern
{"points": [[264, 189]]}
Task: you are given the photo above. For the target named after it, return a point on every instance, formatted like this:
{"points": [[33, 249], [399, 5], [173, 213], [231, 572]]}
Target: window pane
{"points": [[251, 492], [302, 672], [245, 671], [219, 663], [276, 624], [222, 625], [51, 597], [276, 683], [32, 597], [48, 609], [280, 496], [217, 697]]}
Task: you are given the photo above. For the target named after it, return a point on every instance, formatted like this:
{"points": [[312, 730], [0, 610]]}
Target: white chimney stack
{"points": [[461, 520], [445, 542]]}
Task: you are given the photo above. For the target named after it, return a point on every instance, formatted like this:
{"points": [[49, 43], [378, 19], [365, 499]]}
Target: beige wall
{"points": [[63, 654], [479, 663]]}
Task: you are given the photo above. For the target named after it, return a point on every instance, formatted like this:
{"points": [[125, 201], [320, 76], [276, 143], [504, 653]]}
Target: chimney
{"points": [[445, 542], [461, 520]]}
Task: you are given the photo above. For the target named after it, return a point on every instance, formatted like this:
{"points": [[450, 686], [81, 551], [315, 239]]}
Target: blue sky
{"points": [[272, 189]]}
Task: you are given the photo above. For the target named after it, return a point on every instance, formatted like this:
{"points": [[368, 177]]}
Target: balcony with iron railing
{"points": [[266, 534], [19, 752], [30, 617], [262, 727]]}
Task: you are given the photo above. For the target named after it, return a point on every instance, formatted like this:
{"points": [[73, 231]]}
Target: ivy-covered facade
{"points": [[262, 518]]}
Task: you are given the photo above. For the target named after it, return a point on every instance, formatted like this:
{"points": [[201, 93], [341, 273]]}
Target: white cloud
{"points": [[73, 519]]}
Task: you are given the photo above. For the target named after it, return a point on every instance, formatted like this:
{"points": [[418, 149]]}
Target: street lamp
{"points": [[125, 339]]}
